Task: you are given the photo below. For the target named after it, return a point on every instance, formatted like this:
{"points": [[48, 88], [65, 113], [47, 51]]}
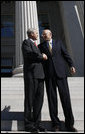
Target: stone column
{"points": [[25, 17]]}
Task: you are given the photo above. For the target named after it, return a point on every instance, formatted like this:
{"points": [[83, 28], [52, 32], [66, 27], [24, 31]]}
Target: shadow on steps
{"points": [[7, 119]]}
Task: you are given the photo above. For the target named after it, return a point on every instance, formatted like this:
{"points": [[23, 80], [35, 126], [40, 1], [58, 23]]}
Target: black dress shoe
{"points": [[32, 129], [56, 128], [41, 128], [71, 129]]}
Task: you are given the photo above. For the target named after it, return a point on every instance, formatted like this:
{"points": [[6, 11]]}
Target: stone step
{"points": [[15, 125], [19, 115], [17, 102], [12, 104], [12, 80], [74, 96], [39, 132]]}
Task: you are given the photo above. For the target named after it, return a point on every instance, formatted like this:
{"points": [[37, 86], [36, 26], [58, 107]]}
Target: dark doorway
{"points": [[7, 37], [49, 17]]}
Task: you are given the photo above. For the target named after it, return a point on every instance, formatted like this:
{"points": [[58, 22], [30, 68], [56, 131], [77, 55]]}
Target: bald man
{"points": [[56, 76]]}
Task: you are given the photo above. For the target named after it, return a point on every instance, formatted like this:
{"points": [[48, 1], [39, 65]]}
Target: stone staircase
{"points": [[12, 102]]}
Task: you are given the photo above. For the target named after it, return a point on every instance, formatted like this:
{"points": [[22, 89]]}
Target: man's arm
{"points": [[66, 55], [68, 59], [30, 54]]}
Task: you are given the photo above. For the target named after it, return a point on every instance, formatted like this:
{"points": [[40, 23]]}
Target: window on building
{"points": [[6, 66], [7, 26], [7, 37], [43, 22]]}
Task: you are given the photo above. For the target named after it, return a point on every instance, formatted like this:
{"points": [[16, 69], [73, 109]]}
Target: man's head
{"points": [[32, 33], [47, 35]]}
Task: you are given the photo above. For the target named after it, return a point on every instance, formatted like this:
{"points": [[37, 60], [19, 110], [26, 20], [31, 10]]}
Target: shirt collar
{"points": [[50, 41], [32, 40]]}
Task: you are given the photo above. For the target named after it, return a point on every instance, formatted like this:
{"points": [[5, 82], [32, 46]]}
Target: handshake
{"points": [[44, 56]]}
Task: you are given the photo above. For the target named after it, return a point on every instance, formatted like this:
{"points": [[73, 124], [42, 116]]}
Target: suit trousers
{"points": [[63, 89], [34, 92]]}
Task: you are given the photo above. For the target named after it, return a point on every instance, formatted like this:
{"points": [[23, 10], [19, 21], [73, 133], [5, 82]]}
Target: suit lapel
{"points": [[33, 46], [53, 46], [46, 48], [54, 49]]}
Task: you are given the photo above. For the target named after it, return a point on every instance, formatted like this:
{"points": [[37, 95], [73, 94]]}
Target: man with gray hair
{"points": [[33, 82]]}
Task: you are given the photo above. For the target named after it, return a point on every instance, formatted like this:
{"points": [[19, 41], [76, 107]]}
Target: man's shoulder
{"points": [[26, 42], [57, 40], [41, 44]]}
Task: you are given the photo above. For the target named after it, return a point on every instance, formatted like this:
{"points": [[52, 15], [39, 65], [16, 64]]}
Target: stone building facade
{"points": [[65, 19]]}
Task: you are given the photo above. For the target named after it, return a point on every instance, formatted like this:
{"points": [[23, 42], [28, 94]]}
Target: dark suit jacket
{"points": [[32, 60], [56, 60]]}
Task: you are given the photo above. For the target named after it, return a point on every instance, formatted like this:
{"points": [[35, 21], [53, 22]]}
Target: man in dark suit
{"points": [[33, 82], [55, 75]]}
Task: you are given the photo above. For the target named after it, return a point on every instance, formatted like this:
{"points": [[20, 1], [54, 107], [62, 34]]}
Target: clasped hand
{"points": [[44, 56]]}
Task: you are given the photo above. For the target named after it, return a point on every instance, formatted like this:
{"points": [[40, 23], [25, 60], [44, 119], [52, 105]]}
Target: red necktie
{"points": [[35, 44]]}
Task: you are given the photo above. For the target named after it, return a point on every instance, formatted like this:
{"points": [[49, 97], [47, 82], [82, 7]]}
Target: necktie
{"points": [[50, 47], [35, 44]]}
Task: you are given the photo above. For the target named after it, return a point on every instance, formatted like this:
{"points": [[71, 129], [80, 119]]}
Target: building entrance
{"points": [[49, 17], [61, 18]]}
